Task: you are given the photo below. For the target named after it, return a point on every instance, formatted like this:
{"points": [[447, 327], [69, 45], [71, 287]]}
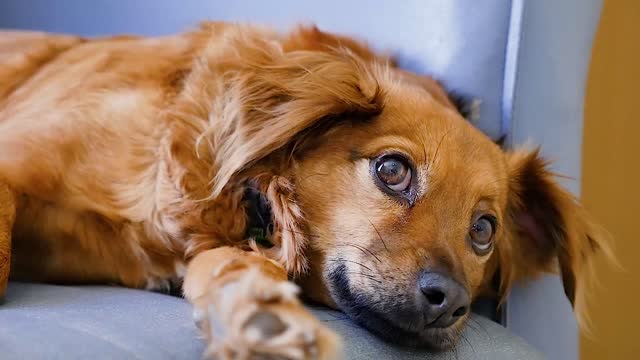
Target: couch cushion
{"points": [[98, 322], [63, 322]]}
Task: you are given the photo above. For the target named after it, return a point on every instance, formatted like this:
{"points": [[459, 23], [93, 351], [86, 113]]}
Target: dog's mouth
{"points": [[400, 326]]}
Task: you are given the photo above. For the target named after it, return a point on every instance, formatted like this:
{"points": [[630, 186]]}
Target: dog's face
{"points": [[408, 211], [404, 211]]}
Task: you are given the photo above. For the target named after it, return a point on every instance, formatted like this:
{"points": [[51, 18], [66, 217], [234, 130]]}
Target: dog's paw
{"points": [[278, 332], [257, 317]]}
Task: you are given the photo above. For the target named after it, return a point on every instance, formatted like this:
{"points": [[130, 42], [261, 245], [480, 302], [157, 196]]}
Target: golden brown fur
{"points": [[129, 158]]}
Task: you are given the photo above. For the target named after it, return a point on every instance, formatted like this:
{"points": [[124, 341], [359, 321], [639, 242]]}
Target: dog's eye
{"points": [[394, 172], [481, 234]]}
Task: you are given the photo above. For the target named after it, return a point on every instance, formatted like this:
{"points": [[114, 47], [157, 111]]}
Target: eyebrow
{"points": [[488, 198], [490, 202], [393, 142]]}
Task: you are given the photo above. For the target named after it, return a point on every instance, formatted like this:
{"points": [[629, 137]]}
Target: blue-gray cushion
{"points": [[98, 322]]}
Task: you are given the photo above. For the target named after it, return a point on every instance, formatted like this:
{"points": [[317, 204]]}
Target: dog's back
{"points": [[22, 54], [77, 118], [89, 139]]}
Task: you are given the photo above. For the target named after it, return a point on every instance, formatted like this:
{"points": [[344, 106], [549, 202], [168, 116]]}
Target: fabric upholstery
{"points": [[97, 322]]}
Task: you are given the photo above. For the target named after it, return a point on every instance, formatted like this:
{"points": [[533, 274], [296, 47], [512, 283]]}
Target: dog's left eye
{"points": [[481, 234], [394, 172]]}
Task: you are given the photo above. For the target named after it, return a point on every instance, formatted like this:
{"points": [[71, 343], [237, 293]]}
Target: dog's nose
{"points": [[445, 300]]}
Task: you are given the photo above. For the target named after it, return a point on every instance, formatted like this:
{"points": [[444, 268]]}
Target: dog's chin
{"points": [[397, 326], [403, 332]]}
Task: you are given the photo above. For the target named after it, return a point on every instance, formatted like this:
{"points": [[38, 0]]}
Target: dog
{"points": [[244, 166]]}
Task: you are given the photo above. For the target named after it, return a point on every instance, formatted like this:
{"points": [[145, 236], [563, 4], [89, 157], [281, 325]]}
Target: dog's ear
{"points": [[279, 95], [547, 230], [467, 106]]}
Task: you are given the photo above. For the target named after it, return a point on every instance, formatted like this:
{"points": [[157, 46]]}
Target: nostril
{"points": [[461, 311], [434, 296]]}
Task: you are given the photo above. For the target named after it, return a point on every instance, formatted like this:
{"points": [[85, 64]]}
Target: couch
{"points": [[525, 60]]}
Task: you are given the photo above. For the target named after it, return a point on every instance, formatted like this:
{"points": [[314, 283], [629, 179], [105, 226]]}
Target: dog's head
{"points": [[403, 212]]}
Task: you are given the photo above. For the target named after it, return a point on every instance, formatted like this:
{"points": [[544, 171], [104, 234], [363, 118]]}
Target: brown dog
{"points": [[233, 157]]}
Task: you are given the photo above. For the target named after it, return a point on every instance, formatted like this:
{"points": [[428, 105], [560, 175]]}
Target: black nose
{"points": [[445, 300]]}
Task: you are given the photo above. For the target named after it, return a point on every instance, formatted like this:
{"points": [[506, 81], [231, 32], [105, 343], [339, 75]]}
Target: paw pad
{"points": [[264, 325]]}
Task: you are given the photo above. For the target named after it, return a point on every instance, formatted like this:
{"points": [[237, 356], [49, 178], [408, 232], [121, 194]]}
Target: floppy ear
{"points": [[281, 95], [547, 230], [270, 99]]}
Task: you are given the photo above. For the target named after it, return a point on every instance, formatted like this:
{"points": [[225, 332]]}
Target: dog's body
{"points": [[128, 161]]}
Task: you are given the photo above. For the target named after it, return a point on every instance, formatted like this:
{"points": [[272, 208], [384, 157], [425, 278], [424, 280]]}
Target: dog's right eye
{"points": [[481, 233], [394, 172]]}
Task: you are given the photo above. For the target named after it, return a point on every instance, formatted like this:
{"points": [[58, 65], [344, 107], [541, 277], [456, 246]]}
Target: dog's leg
{"points": [[7, 216], [247, 309]]}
